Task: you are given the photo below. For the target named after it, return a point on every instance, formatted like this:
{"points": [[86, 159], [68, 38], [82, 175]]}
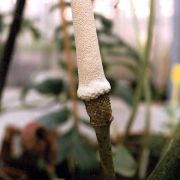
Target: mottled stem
{"points": [[100, 113]]}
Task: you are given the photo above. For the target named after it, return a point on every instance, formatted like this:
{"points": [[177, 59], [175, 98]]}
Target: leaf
{"points": [[29, 24], [125, 93], [52, 86], [85, 122], [55, 119], [106, 23], [133, 69], [64, 146], [85, 156], [35, 32], [124, 163], [171, 111], [59, 39], [156, 144], [24, 92], [72, 145], [62, 64]]}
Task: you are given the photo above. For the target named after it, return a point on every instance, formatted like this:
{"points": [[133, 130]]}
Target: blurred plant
{"points": [[173, 108], [143, 81], [123, 161], [6, 51], [111, 46], [175, 95], [74, 148], [70, 65], [82, 156], [31, 152], [143, 88], [1, 29], [168, 166], [30, 25], [6, 58]]}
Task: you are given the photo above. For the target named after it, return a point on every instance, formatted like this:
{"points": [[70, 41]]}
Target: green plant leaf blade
{"points": [[124, 163], [53, 86], [72, 145], [55, 119], [85, 156]]}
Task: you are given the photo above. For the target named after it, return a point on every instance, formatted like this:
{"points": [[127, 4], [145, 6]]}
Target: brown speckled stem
{"points": [[100, 113]]}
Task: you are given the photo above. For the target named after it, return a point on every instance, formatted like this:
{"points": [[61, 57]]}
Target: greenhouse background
{"points": [[42, 81]]}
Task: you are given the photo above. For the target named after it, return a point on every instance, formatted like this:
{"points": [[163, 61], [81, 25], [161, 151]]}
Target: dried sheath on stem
{"points": [[93, 85]]}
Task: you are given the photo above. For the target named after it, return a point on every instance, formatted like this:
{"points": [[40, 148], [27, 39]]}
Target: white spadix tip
{"points": [[92, 81], [93, 90]]}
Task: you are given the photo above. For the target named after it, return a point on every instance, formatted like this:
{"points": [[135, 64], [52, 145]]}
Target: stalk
{"points": [[117, 3], [169, 165], [136, 101], [145, 60], [100, 113], [8, 50], [93, 86], [144, 157], [70, 67], [136, 25]]}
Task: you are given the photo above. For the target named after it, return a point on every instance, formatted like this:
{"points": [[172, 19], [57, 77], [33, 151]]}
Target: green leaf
{"points": [[125, 93], [55, 119], [53, 86], [132, 68], [85, 156], [59, 37], [86, 122], [64, 146], [124, 163], [113, 83], [29, 24], [62, 64], [156, 144], [72, 145], [106, 23]]}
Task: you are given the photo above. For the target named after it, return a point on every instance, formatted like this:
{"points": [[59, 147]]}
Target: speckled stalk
{"points": [[93, 85], [168, 167], [99, 111]]}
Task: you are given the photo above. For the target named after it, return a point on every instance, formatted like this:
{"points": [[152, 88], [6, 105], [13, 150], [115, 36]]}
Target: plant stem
{"points": [[150, 33], [144, 157], [100, 113], [136, 25], [70, 68], [169, 165], [142, 73], [136, 101], [6, 58], [117, 3]]}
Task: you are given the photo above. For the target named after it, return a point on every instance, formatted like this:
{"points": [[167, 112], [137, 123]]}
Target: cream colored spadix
{"points": [[92, 81]]}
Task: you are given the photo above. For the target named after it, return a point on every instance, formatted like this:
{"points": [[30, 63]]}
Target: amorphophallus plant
{"points": [[93, 85]]}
